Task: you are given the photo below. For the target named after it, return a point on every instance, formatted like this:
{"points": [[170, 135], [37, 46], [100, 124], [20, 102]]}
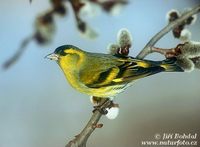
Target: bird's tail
{"points": [[170, 65]]}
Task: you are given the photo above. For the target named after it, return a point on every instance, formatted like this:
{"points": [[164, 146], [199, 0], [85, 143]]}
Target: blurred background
{"points": [[39, 108]]}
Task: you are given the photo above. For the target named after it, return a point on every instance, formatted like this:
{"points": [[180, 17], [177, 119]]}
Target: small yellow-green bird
{"points": [[105, 75]]}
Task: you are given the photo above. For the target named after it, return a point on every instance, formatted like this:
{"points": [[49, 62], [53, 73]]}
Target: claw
{"points": [[101, 110], [102, 107]]}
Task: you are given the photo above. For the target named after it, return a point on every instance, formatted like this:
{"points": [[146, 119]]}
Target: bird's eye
{"points": [[63, 53]]}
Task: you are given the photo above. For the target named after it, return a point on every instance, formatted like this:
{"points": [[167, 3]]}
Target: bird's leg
{"points": [[95, 100], [103, 104]]}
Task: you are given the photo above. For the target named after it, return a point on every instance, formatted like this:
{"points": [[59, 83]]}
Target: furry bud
{"points": [[124, 42], [185, 35], [196, 62], [197, 65], [45, 28], [172, 15], [113, 48], [124, 38], [192, 19], [177, 31], [116, 9], [113, 112], [190, 49], [89, 9], [185, 63]]}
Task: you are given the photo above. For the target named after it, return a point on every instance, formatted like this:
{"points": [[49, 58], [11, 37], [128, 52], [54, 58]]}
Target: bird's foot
{"points": [[102, 107]]}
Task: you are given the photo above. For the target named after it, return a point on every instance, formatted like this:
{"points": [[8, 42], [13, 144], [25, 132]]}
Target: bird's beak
{"points": [[52, 56]]}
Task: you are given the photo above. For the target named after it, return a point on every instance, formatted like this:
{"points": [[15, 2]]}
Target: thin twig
{"points": [[18, 54], [166, 52], [148, 48]]}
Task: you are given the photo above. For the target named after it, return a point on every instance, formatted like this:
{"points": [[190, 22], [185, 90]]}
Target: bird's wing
{"points": [[120, 71], [135, 69]]}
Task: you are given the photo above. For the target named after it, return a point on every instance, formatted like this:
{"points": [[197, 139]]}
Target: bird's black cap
{"points": [[60, 50]]}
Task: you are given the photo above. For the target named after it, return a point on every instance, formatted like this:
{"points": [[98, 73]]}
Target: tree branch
{"points": [[18, 54], [81, 139], [168, 53], [148, 48]]}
